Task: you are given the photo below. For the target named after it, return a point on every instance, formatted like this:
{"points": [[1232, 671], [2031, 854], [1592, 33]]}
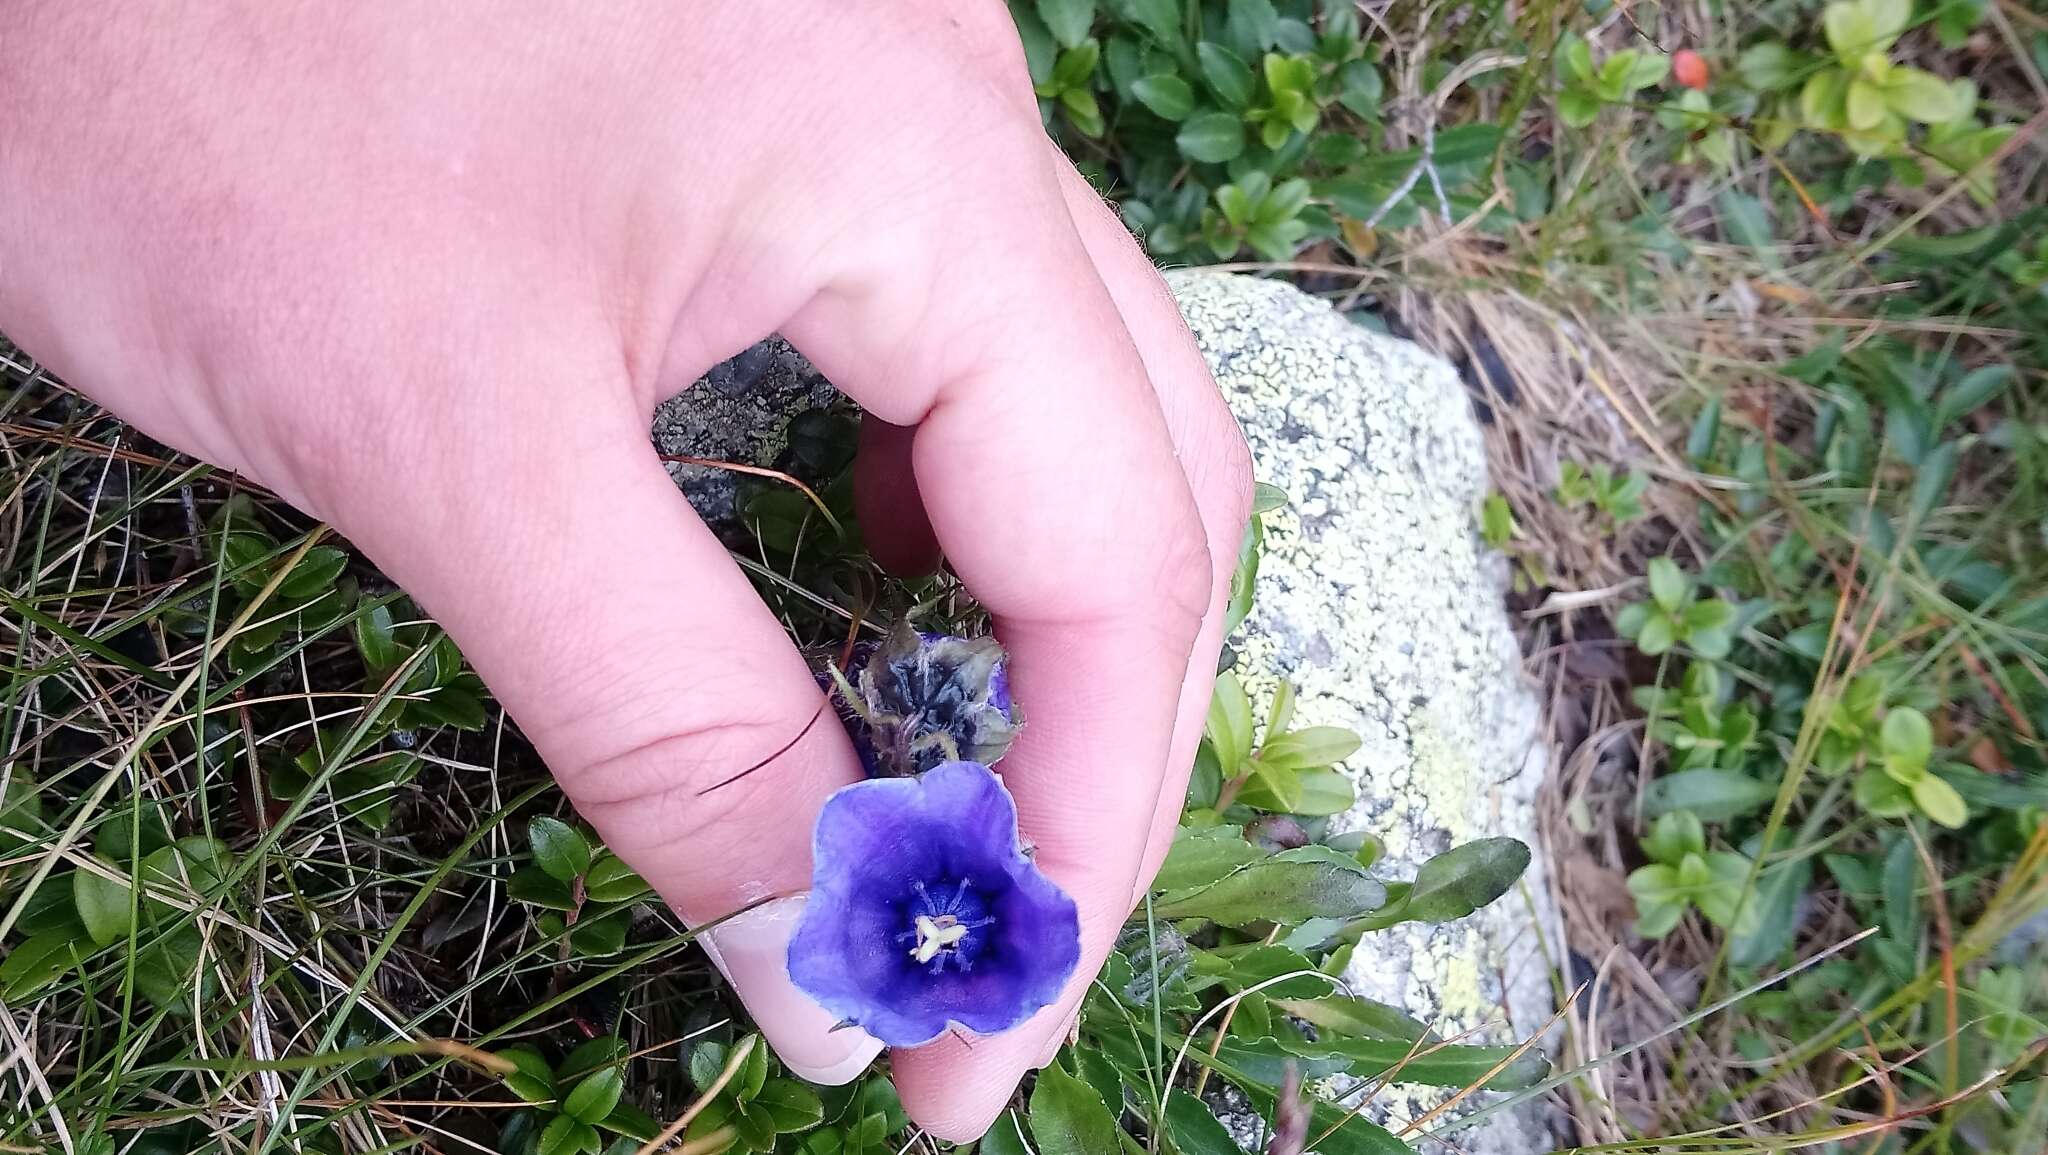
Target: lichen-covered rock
{"points": [[1376, 599], [739, 412]]}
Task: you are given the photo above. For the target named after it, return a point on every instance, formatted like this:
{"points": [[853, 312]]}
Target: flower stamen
{"points": [[939, 929]]}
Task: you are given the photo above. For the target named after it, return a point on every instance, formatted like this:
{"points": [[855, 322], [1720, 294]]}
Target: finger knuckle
{"points": [[1185, 579], [692, 780], [1232, 479]]}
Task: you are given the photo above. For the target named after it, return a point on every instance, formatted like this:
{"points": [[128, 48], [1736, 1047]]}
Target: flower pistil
{"points": [[940, 930]]}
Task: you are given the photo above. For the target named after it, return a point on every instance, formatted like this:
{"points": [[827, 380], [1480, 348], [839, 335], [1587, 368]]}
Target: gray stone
{"points": [[739, 412], [1375, 599], [1378, 602]]}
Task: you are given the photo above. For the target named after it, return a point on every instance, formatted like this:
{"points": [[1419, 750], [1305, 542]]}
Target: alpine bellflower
{"points": [[926, 912]]}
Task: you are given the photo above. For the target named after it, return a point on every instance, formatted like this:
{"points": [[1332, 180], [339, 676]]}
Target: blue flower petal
{"points": [[1003, 939]]}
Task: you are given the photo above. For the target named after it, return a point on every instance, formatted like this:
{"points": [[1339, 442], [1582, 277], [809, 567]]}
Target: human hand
{"points": [[426, 273]]}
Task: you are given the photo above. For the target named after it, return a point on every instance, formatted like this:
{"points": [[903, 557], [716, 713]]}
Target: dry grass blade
{"points": [[733, 1063]]}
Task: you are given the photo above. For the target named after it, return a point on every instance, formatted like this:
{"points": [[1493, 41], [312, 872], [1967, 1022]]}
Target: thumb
{"points": [[636, 657]]}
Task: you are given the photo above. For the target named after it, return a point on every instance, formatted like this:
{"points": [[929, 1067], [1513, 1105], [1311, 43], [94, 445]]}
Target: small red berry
{"points": [[1689, 69]]}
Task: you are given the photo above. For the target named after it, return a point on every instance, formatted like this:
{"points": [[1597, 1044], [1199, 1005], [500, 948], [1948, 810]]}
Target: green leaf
{"points": [[1083, 110], [594, 1097], [1849, 29], [165, 969], [1436, 1066], [1267, 498], [1660, 900], [1067, 20], [534, 1081], [1717, 897], [1977, 389], [1746, 221], [611, 880], [1779, 890], [1770, 66], [1236, 204], [453, 706], [558, 848], [1211, 137], [1276, 242], [1882, 795], [788, 1104], [1939, 801], [1248, 967], [1324, 792], [1311, 747], [1577, 107], [631, 1121], [102, 905], [1275, 788], [537, 887], [189, 863], [375, 640], [1888, 18], [1252, 24], [1199, 857], [568, 1135], [1918, 96], [1069, 1118], [1901, 892], [1074, 71], [1711, 793], [1711, 614], [21, 814], [1907, 736], [1287, 74], [1169, 97], [1360, 88], [1228, 76], [1039, 48], [1230, 723], [1193, 1127], [1006, 1137], [1937, 467], [1289, 888], [706, 1061], [1645, 70], [1674, 836], [753, 1073], [1244, 579], [36, 962], [1280, 713], [595, 935], [1159, 17], [1355, 1016], [1866, 105], [1668, 584], [1464, 878], [1284, 203], [1575, 58], [1657, 636], [314, 574]]}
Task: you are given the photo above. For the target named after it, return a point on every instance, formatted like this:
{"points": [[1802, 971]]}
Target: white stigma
{"points": [[935, 935]]}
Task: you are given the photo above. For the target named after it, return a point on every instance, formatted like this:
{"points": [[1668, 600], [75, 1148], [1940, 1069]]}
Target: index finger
{"points": [[1049, 477]]}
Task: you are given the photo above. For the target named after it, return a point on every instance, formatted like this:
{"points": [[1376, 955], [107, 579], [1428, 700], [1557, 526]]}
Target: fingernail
{"points": [[752, 951]]}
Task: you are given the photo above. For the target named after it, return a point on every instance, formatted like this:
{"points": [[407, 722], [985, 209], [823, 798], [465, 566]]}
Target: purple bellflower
{"points": [[918, 700], [925, 913]]}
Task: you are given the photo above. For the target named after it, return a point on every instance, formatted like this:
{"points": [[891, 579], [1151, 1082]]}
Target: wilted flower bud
{"points": [[920, 700]]}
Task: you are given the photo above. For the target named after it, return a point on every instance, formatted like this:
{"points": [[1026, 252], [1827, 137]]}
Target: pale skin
{"points": [[425, 270]]}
